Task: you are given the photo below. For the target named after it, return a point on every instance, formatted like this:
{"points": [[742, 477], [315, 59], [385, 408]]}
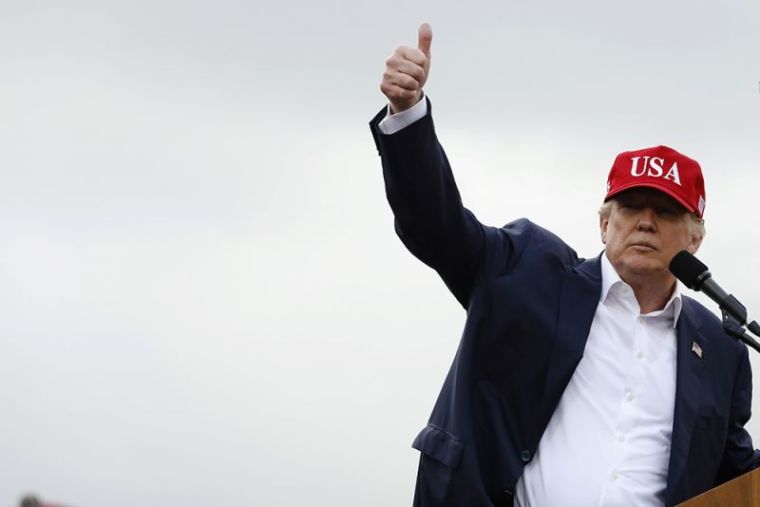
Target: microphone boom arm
{"points": [[733, 328]]}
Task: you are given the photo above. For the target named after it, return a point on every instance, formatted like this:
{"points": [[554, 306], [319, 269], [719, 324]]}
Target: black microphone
{"points": [[695, 275]]}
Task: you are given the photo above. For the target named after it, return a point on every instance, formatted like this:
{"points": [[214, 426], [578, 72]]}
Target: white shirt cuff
{"points": [[392, 123]]}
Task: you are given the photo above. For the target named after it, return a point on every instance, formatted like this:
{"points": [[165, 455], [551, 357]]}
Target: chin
{"points": [[643, 266]]}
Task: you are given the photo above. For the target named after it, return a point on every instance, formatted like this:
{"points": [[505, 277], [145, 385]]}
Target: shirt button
{"points": [[614, 475], [621, 437], [640, 355], [525, 456], [629, 396]]}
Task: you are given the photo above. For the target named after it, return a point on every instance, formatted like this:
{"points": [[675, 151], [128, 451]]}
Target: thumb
{"points": [[424, 38]]}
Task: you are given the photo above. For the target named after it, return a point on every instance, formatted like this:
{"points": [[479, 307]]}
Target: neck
{"points": [[652, 295]]}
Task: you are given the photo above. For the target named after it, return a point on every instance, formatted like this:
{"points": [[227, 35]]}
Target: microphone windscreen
{"points": [[687, 268]]}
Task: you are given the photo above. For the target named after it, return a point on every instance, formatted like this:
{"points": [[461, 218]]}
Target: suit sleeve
{"points": [[739, 455], [429, 216]]}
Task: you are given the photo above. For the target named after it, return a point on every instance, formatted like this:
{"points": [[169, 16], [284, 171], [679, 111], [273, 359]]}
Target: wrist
{"points": [[396, 108]]}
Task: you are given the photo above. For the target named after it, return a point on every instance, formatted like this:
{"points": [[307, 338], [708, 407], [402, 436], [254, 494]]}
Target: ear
{"points": [[696, 242], [603, 228]]}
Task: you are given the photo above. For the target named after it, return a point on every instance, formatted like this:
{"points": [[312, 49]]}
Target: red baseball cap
{"points": [[661, 168]]}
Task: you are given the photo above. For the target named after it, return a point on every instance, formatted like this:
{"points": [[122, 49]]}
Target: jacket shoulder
{"points": [[535, 244]]}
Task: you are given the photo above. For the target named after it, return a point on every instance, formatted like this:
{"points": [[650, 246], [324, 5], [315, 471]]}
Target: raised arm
{"points": [[430, 218]]}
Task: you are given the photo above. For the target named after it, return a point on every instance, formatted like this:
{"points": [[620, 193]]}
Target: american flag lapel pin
{"points": [[696, 349]]}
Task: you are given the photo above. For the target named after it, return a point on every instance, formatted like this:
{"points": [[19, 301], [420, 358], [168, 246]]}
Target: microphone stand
{"points": [[735, 329], [731, 306]]}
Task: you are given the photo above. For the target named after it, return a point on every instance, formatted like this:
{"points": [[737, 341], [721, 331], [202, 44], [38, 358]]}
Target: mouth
{"points": [[643, 245]]}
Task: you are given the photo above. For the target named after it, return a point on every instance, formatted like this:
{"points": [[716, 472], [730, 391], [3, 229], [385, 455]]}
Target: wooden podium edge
{"points": [[744, 491]]}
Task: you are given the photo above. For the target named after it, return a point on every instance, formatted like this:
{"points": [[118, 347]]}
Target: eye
{"points": [[667, 212]]}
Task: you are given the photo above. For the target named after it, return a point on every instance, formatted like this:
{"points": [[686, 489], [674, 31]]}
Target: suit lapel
{"points": [[689, 373], [579, 298]]}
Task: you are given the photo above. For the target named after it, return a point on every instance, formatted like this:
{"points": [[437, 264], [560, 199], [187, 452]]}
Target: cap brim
{"points": [[662, 188]]}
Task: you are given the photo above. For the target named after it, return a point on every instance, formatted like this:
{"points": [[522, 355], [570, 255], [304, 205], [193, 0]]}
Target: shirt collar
{"points": [[611, 278]]}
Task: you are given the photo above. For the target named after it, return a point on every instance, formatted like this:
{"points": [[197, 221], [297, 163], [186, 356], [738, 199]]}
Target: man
{"points": [[577, 382]]}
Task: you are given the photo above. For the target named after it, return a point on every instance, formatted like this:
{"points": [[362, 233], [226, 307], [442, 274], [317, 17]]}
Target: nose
{"points": [[647, 220]]}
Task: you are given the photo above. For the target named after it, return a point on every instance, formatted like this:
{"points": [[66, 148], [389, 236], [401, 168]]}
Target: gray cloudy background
{"points": [[202, 299]]}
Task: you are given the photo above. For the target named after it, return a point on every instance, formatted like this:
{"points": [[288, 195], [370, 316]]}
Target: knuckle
{"points": [[391, 92]]}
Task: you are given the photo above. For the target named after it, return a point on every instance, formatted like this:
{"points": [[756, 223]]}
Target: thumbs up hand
{"points": [[406, 72]]}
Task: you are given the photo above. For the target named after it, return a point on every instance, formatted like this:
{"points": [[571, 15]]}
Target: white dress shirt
{"points": [[608, 441]]}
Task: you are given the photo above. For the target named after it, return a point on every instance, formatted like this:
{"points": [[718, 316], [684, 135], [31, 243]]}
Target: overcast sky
{"points": [[203, 299]]}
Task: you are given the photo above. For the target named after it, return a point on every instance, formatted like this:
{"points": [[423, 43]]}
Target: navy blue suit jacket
{"points": [[530, 302]]}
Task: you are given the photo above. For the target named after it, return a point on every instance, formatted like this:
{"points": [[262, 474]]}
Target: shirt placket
{"points": [[612, 493]]}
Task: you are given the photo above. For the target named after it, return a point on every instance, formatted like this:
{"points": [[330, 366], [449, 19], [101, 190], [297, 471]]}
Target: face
{"points": [[643, 232]]}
